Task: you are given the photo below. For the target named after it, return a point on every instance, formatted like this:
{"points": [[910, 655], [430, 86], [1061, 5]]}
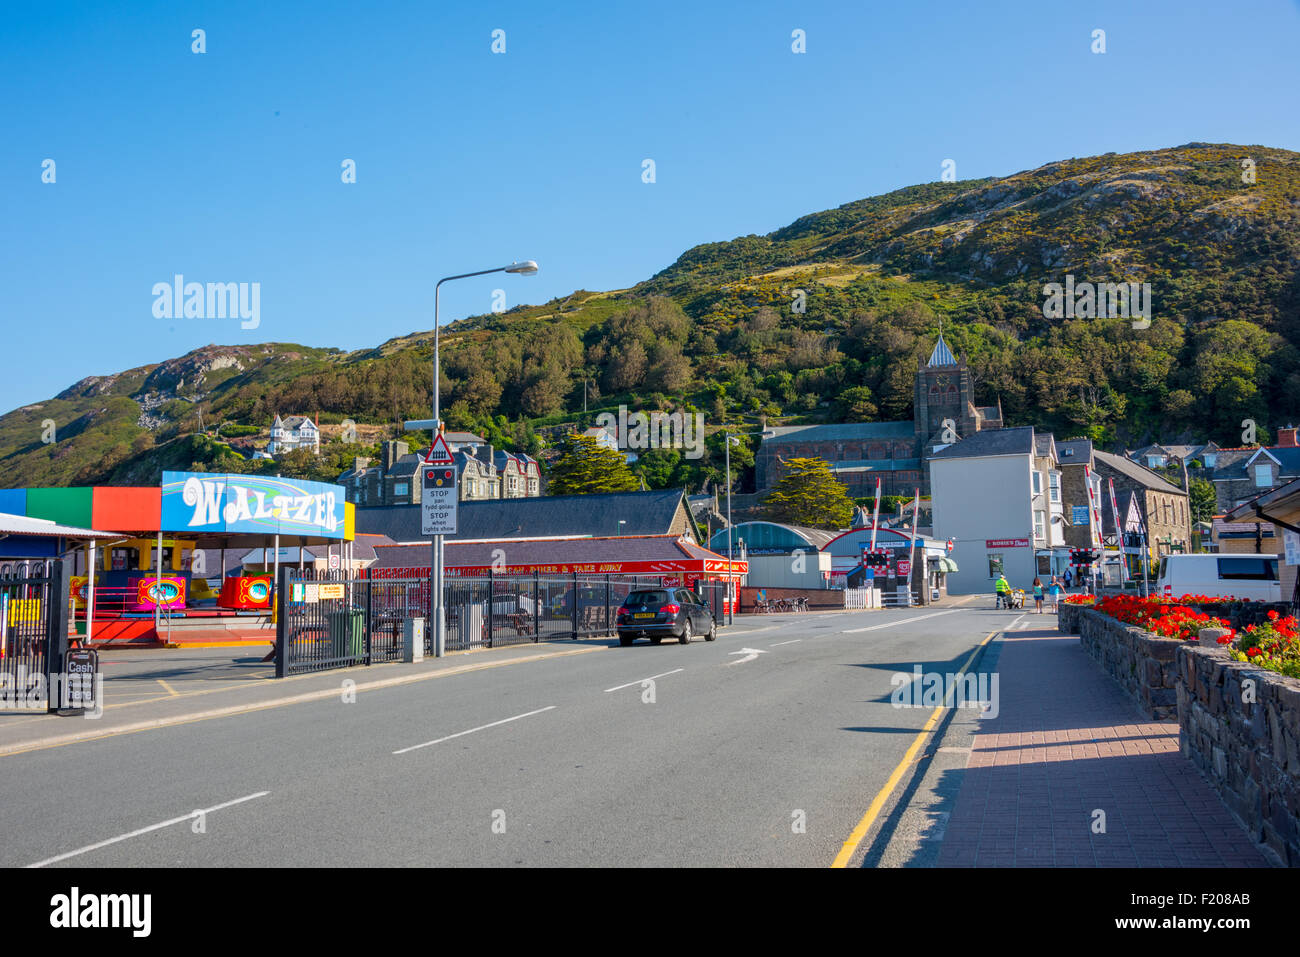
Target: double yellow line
{"points": [[859, 833]]}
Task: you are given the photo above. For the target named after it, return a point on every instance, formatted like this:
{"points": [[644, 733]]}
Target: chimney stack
{"points": [[1286, 438]]}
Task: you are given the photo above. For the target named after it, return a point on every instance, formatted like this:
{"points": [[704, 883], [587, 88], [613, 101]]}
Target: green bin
{"points": [[347, 633]]}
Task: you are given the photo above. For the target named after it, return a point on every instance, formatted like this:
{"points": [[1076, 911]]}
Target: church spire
{"points": [[942, 355]]}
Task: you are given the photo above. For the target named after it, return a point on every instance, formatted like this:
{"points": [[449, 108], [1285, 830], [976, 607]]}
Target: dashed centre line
{"points": [[482, 727], [146, 830], [639, 680]]}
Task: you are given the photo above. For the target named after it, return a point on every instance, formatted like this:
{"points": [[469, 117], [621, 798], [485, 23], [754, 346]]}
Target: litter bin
{"points": [[347, 633]]}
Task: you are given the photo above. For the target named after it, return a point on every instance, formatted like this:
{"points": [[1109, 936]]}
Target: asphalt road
{"points": [[729, 759]]}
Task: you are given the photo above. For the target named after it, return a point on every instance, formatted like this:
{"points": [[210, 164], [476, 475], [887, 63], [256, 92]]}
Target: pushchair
{"points": [[1015, 598]]}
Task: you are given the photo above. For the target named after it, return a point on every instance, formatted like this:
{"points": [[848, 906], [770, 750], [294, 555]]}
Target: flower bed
{"points": [[1273, 645], [1179, 619]]}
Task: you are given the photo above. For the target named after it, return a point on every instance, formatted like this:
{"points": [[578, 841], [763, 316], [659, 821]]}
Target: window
{"points": [[1209, 458], [1263, 476], [401, 488], [1248, 569], [1040, 525], [1038, 482], [995, 565], [1055, 478]]}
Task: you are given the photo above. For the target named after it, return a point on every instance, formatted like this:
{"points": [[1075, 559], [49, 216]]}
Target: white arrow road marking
{"points": [[145, 830], [482, 727], [895, 624], [639, 680], [750, 655]]}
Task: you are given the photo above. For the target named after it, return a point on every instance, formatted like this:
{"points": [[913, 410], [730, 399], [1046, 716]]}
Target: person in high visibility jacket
{"points": [[1001, 591]]}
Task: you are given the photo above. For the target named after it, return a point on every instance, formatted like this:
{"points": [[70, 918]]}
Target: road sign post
{"points": [[439, 498]]}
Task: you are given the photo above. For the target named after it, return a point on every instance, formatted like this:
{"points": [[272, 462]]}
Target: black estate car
{"points": [[655, 613]]}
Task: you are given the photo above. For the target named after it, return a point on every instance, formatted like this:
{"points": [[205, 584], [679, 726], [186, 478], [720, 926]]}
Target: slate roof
{"points": [[645, 548], [1018, 441], [1044, 442], [1224, 529], [877, 465], [1074, 451], [844, 431], [645, 513], [1138, 473]]}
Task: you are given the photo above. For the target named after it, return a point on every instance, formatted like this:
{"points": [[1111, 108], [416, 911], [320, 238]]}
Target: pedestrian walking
{"points": [[1001, 592], [1038, 594], [1069, 577], [1055, 591]]}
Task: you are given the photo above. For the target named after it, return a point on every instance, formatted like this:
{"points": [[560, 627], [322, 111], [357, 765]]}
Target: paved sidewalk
{"points": [[1067, 743]]}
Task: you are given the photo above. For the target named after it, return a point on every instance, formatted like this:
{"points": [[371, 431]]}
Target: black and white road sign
{"points": [[438, 495]]}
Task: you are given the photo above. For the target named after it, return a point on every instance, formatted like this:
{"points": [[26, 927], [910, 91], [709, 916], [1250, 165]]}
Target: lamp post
{"points": [[526, 268], [621, 523]]}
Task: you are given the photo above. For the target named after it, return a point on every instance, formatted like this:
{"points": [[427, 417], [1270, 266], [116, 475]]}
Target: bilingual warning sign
{"points": [[438, 493]]}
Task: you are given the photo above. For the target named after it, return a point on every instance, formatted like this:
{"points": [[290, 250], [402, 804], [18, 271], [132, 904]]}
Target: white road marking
{"points": [[639, 680], [894, 624], [146, 830], [790, 642], [749, 653], [729, 633], [482, 727]]}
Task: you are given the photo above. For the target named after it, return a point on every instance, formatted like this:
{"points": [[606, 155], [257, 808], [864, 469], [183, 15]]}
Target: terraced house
{"points": [[484, 473]]}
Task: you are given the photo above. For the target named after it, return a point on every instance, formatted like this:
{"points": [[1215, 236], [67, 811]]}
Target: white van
{"points": [[1219, 575]]}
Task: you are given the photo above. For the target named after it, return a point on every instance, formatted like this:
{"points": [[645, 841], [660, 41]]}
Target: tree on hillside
{"points": [[810, 494], [584, 467]]}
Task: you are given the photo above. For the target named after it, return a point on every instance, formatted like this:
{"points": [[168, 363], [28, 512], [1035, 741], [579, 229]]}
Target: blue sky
{"points": [[225, 166]]}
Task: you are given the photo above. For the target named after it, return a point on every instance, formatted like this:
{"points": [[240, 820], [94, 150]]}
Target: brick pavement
{"points": [[1067, 742]]}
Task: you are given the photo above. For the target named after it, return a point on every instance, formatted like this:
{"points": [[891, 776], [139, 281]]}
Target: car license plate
{"points": [[644, 614]]}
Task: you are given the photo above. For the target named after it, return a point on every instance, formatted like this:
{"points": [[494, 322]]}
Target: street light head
{"points": [[526, 268]]}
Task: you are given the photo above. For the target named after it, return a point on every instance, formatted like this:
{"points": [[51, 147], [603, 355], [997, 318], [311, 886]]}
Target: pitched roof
{"points": [[1044, 443], [850, 431], [642, 548], [644, 513], [1074, 451], [942, 355], [1132, 470], [1018, 441]]}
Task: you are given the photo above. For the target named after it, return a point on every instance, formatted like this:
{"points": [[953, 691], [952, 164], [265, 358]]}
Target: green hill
{"points": [[719, 330]]}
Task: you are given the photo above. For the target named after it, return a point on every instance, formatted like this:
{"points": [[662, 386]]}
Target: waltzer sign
{"points": [[204, 502]]}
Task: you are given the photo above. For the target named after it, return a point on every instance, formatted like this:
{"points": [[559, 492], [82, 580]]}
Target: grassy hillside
{"points": [[718, 329]]}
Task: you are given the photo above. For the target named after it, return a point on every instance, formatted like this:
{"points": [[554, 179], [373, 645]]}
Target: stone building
{"points": [[1241, 474], [483, 473], [1164, 506], [897, 453]]}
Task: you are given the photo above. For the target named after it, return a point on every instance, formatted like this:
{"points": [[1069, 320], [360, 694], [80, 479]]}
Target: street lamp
{"points": [[621, 523], [731, 440], [526, 268]]}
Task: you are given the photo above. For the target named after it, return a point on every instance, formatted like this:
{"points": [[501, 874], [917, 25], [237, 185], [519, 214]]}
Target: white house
{"points": [[996, 494], [293, 432]]}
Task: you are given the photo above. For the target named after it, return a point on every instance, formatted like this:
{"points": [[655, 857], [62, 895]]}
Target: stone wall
{"points": [[1142, 664], [1250, 750]]}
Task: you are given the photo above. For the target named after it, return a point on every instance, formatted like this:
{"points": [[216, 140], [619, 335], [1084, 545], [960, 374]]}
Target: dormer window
{"points": [[1263, 476]]}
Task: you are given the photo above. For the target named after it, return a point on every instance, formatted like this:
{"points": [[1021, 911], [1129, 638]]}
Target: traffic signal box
{"points": [[1083, 556], [439, 476]]}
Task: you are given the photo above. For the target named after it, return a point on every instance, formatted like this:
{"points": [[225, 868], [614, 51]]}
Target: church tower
{"points": [[945, 390]]}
